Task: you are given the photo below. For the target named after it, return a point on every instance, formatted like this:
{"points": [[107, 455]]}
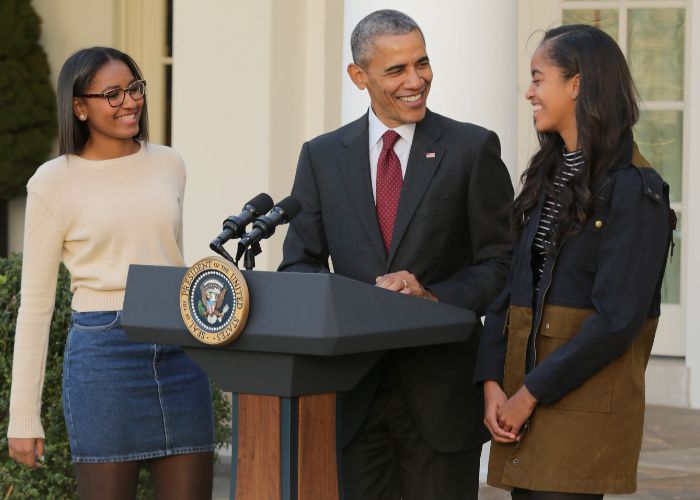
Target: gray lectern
{"points": [[307, 337]]}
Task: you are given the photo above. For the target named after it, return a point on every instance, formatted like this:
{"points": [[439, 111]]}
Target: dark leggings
{"points": [[520, 494], [178, 477]]}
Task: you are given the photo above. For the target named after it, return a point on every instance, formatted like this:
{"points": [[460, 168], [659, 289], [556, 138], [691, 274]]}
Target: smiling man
{"points": [[415, 203]]}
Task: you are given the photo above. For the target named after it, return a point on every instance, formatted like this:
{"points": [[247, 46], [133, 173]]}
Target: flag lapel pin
{"points": [[430, 155]]}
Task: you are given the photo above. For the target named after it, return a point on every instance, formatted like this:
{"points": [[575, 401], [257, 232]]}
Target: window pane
{"points": [[168, 104], [656, 42], [671, 286], [169, 28], [659, 135], [606, 20]]}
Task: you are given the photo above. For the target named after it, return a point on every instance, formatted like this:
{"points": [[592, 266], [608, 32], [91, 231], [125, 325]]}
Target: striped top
{"points": [[552, 209]]}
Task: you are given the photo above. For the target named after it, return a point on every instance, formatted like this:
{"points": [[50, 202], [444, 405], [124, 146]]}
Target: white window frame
{"points": [[140, 31]]}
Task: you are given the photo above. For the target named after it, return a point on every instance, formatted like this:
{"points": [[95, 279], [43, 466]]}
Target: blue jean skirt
{"points": [[124, 401]]}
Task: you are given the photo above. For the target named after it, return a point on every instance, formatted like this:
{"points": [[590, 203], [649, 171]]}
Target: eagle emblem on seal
{"points": [[211, 301]]}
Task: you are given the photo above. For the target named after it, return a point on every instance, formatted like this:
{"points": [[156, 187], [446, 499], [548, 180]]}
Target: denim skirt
{"points": [[124, 401]]}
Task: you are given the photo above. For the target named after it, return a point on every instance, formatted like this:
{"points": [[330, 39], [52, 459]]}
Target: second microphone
{"points": [[264, 226]]}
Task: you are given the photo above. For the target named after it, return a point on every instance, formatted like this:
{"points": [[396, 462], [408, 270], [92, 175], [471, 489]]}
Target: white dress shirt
{"points": [[402, 148]]}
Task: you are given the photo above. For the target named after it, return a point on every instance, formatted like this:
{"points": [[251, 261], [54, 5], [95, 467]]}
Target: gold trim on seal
{"points": [[235, 324]]}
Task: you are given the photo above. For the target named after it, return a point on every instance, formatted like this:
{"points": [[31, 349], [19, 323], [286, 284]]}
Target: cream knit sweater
{"points": [[97, 217]]}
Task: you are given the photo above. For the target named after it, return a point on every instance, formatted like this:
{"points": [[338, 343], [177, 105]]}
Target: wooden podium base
{"points": [[285, 448]]}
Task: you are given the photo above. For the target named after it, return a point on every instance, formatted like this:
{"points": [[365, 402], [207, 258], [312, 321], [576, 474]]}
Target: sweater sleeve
{"points": [[43, 243]]}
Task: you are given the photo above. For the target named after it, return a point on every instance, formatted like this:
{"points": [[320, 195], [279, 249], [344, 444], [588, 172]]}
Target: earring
{"points": [[83, 117]]}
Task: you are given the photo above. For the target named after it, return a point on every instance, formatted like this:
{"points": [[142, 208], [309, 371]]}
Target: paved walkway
{"points": [[669, 467]]}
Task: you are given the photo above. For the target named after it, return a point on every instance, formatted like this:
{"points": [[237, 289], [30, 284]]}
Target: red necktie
{"points": [[389, 180]]}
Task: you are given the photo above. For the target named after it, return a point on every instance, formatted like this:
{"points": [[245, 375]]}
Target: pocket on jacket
{"points": [[594, 395], [559, 326], [581, 249], [435, 206]]}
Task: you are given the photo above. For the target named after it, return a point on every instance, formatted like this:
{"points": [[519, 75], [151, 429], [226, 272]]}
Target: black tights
{"points": [[520, 494], [185, 477]]}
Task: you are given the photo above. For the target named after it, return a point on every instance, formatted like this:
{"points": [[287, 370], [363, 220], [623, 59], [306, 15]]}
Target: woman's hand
{"points": [[513, 414], [27, 451], [494, 399]]}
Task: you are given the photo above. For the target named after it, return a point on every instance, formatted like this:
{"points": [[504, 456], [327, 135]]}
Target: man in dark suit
{"points": [[413, 202]]}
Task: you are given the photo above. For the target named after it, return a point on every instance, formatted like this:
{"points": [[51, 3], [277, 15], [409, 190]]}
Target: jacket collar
{"points": [[353, 161], [423, 161], [426, 154], [623, 158]]}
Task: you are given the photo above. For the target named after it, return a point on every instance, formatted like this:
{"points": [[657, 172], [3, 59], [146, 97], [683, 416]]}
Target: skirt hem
{"points": [[136, 457]]}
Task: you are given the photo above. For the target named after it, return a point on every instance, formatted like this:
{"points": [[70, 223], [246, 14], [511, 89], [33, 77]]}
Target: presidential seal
{"points": [[214, 301]]}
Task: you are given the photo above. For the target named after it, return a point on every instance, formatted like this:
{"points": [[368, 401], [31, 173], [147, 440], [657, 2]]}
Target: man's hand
{"points": [[513, 414], [405, 282], [27, 451], [494, 399]]}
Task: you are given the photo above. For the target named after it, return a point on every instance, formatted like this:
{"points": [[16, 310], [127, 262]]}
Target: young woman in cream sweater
{"points": [[109, 200]]}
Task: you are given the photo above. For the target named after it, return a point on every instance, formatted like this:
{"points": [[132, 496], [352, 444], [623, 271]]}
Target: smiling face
{"points": [[553, 98], [397, 76], [104, 122]]}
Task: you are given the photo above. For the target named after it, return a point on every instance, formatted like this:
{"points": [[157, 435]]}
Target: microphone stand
{"points": [[219, 248], [248, 253]]}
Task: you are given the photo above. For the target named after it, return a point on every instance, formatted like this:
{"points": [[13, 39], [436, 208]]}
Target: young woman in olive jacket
{"points": [[565, 347]]}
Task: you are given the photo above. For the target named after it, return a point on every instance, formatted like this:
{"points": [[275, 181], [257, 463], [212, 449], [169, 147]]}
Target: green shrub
{"points": [[27, 98], [55, 479]]}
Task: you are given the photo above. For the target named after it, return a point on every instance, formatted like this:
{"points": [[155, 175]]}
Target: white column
{"points": [[221, 111], [473, 53], [691, 215], [251, 82]]}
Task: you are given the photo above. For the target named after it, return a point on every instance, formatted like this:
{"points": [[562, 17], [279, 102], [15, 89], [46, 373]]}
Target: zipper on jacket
{"points": [[540, 310], [521, 433], [505, 327]]}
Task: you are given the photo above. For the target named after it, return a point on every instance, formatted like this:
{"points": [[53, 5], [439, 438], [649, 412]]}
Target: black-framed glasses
{"points": [[115, 97]]}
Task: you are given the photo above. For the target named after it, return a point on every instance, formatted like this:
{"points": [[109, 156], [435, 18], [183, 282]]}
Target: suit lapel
{"points": [[423, 161], [354, 168]]}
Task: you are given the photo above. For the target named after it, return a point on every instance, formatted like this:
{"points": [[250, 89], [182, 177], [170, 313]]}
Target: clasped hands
{"points": [[406, 283], [505, 417]]}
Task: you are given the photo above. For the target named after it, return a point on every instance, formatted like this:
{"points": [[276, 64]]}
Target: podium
{"points": [[308, 336]]}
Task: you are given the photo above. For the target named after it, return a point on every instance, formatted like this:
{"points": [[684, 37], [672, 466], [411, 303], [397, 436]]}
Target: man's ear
{"points": [[79, 109], [358, 76]]}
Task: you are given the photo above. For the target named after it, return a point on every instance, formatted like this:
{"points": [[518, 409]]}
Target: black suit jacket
{"points": [[451, 231]]}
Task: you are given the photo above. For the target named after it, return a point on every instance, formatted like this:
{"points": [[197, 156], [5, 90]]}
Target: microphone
{"points": [[234, 226], [264, 226]]}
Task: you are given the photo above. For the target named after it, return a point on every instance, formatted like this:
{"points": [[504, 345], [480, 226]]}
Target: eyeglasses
{"points": [[115, 97]]}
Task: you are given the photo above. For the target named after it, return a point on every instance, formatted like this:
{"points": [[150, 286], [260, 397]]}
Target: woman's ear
{"points": [[575, 85], [79, 109]]}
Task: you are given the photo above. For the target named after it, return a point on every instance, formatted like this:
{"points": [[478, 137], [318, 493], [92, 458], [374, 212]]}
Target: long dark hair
{"points": [[75, 78], [606, 110]]}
